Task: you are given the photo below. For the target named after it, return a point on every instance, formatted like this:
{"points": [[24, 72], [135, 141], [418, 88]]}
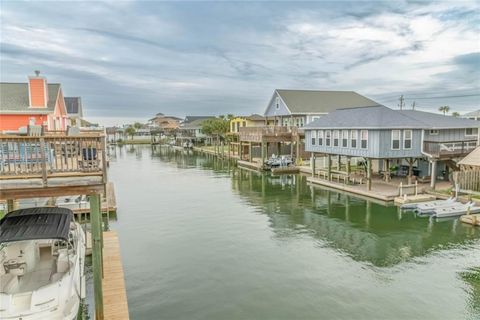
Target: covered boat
{"points": [[42, 255]]}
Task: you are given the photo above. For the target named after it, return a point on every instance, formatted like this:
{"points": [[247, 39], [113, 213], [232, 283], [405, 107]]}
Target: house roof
{"points": [[255, 117], [14, 98], [195, 123], [381, 117], [74, 106], [472, 159], [440, 121], [311, 101], [475, 113], [193, 118]]}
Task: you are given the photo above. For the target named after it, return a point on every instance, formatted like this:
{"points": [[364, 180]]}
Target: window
{"points": [[320, 137], [364, 139], [244, 123], [344, 138], [277, 103], [336, 135], [395, 139], [471, 132], [354, 138], [407, 139], [434, 132], [327, 138], [314, 137]]}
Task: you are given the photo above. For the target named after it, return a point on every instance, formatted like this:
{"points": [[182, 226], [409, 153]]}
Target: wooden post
{"points": [[279, 148], [369, 174], [339, 162], [329, 167], [10, 205], [250, 152], [262, 146], [348, 169], [433, 174], [240, 151], [387, 170], [95, 221], [312, 163]]}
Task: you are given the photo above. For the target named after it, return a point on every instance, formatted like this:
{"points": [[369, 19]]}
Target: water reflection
{"points": [[366, 230]]}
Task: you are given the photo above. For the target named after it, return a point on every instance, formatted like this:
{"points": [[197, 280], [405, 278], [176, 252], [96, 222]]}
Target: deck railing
{"points": [[255, 134], [449, 148], [52, 156]]}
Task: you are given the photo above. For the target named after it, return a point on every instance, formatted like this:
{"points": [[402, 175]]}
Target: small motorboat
{"points": [[429, 207], [42, 255], [456, 210], [279, 161], [434, 203]]}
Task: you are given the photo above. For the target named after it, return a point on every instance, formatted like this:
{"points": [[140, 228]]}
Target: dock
{"points": [[109, 203], [115, 306]]}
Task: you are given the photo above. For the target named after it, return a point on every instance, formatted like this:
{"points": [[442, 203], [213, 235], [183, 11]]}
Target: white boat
{"points": [[429, 207], [42, 255], [457, 210], [434, 203], [72, 203]]}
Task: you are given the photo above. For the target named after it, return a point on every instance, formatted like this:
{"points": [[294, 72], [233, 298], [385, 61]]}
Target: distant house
{"points": [[254, 120], [190, 130], [382, 133], [300, 107], [74, 110], [474, 115], [471, 161], [35, 102], [164, 124]]}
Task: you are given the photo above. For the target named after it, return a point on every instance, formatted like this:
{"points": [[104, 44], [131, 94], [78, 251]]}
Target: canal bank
{"points": [[204, 239]]}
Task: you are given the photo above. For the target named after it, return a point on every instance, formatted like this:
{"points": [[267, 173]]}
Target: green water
{"points": [[202, 239]]}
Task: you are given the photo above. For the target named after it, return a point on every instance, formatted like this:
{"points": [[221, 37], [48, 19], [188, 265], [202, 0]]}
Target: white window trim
{"points": [[471, 135], [336, 135], [328, 133], [344, 136], [433, 132], [399, 139], [356, 139], [361, 131], [313, 137], [320, 136], [405, 139]]}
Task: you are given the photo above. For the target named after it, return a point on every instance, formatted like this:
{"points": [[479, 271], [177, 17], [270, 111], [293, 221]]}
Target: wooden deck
{"points": [[114, 293], [109, 205]]}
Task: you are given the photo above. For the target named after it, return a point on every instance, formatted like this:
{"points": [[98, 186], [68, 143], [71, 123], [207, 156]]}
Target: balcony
{"points": [[448, 149], [52, 164], [267, 134]]}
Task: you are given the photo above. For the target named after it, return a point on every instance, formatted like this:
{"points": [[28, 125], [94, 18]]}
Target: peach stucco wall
{"points": [[38, 92], [15, 121]]}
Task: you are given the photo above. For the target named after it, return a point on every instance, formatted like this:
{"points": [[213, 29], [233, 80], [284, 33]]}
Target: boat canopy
{"points": [[36, 223]]}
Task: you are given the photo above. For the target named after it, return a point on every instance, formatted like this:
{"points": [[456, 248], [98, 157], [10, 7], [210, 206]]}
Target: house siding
{"points": [[272, 110], [379, 145], [446, 135]]}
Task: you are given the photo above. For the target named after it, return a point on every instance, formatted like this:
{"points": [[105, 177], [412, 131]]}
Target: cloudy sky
{"points": [[131, 59]]}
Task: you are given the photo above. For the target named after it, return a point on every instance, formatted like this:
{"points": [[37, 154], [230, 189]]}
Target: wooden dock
{"points": [[109, 204], [114, 294]]}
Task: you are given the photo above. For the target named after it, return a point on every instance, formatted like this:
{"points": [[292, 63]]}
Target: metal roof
{"points": [[312, 101], [36, 223], [472, 159], [475, 113], [195, 122], [14, 98], [381, 117]]}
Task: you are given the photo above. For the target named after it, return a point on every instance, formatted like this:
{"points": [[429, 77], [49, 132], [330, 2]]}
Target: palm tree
{"points": [[455, 114], [444, 109]]}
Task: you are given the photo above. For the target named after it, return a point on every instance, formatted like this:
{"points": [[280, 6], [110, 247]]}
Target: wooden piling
{"points": [[95, 221]]}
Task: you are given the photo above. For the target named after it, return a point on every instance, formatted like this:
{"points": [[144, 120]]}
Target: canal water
{"points": [[202, 239]]}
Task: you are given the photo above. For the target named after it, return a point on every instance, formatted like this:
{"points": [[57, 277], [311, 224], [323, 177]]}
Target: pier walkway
{"points": [[115, 306]]}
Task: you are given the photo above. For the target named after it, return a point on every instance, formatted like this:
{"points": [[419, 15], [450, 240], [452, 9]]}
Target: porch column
{"points": [[349, 168], [433, 177], [410, 170], [339, 162], [312, 163], [387, 170], [262, 146], [329, 167], [369, 174]]}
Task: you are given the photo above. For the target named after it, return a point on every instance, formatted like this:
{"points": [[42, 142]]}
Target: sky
{"points": [[129, 60]]}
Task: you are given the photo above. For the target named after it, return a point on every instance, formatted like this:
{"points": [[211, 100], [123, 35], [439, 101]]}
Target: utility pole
{"points": [[414, 105], [401, 104]]}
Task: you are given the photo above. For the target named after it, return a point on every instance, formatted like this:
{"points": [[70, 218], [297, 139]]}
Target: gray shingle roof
{"points": [[74, 106], [439, 121], [189, 119], [14, 98], [311, 101], [381, 117], [195, 123]]}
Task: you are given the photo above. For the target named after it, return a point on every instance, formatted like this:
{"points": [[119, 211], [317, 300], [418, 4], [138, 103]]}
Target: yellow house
{"points": [[254, 120]]}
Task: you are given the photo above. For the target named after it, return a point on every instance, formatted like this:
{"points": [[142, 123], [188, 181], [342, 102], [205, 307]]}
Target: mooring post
{"points": [[95, 221], [369, 174], [329, 167]]}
